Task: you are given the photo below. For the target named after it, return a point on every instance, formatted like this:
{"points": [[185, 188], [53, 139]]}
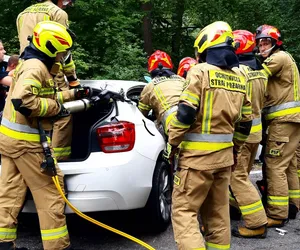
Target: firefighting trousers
{"points": [[293, 183], [282, 142], [205, 192], [62, 138], [16, 175], [244, 192], [298, 162]]}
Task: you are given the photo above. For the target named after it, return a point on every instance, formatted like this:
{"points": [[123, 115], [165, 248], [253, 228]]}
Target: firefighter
{"points": [[26, 21], [245, 194], [163, 92], [31, 104], [204, 130], [185, 65], [283, 117]]}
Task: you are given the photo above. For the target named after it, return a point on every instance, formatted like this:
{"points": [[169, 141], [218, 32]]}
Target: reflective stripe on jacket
{"points": [[257, 82], [162, 96]]}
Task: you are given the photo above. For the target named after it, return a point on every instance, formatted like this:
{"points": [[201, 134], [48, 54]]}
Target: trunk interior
{"points": [[84, 140]]}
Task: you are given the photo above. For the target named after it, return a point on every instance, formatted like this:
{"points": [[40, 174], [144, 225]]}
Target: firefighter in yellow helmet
{"points": [[31, 106], [213, 113], [245, 194], [163, 92], [282, 112], [26, 21]]}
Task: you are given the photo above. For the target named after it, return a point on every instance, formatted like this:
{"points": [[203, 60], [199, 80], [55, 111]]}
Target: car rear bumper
{"points": [[95, 186]]}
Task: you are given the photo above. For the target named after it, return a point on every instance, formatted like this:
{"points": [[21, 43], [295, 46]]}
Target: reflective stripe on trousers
{"points": [[278, 200], [213, 246], [56, 233], [206, 142], [252, 208], [294, 194], [282, 109], [19, 131]]}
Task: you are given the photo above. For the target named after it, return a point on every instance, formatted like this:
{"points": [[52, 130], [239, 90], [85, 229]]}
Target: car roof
{"points": [[114, 85]]}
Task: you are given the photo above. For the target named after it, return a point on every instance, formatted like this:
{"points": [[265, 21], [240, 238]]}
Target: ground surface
{"points": [[89, 237]]}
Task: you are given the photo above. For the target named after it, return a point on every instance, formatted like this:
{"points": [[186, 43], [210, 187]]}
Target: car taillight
{"points": [[116, 137]]}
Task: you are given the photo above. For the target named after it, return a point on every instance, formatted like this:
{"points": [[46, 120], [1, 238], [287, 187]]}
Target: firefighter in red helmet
{"points": [[163, 92], [184, 66], [243, 191], [282, 113]]}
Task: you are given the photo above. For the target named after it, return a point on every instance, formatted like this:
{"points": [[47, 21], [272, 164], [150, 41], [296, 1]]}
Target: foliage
{"points": [[110, 37]]}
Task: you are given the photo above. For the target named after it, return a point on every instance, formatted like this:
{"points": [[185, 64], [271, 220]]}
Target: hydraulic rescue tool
{"points": [[48, 165]]}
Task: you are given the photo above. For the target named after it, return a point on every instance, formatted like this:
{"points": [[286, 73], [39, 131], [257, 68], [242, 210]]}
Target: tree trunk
{"points": [[147, 27], [177, 30]]}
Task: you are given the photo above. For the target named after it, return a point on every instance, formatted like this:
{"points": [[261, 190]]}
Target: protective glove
{"points": [[63, 111], [83, 92], [169, 153], [74, 84]]}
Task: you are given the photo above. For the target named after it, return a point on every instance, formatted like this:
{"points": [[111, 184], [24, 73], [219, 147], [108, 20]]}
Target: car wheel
{"points": [[158, 206]]}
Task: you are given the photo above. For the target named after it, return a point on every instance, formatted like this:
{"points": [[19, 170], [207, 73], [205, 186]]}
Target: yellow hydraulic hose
{"points": [[84, 216]]}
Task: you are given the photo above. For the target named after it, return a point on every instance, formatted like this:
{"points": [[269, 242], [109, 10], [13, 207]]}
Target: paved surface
{"points": [[89, 237]]}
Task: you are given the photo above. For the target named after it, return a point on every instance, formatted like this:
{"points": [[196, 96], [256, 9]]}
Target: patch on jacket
{"points": [[268, 60]]}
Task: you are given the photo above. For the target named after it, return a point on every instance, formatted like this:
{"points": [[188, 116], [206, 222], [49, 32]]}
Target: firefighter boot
{"points": [[235, 213], [244, 232], [293, 210], [276, 223], [10, 246]]}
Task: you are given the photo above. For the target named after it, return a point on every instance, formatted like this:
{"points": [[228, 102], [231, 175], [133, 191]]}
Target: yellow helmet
{"points": [[51, 38], [217, 34]]}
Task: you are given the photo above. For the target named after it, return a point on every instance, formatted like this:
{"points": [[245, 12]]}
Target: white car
{"points": [[116, 161]]}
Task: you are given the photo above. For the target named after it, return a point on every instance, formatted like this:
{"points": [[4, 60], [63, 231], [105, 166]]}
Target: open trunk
{"points": [[84, 139]]}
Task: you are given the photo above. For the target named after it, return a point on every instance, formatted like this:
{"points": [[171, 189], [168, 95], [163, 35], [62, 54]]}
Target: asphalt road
{"points": [[89, 237]]}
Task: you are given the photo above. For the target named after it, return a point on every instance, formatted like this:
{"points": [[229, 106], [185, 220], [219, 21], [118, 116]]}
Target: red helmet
{"points": [[246, 41], [185, 65], [268, 31], [159, 58]]}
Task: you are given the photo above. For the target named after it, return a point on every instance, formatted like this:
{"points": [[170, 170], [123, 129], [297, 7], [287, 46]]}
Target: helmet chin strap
{"points": [[265, 52]]}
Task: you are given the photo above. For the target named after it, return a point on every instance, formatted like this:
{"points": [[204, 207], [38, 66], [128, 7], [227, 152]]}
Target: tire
{"points": [[158, 206]]}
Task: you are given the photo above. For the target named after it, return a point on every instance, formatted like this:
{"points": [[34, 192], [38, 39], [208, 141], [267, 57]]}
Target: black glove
{"points": [[63, 111], [83, 92]]}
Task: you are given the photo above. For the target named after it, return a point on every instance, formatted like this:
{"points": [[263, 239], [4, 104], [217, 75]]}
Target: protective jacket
{"points": [[282, 98], [162, 95], [256, 86], [32, 95], [28, 19], [221, 104]]}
